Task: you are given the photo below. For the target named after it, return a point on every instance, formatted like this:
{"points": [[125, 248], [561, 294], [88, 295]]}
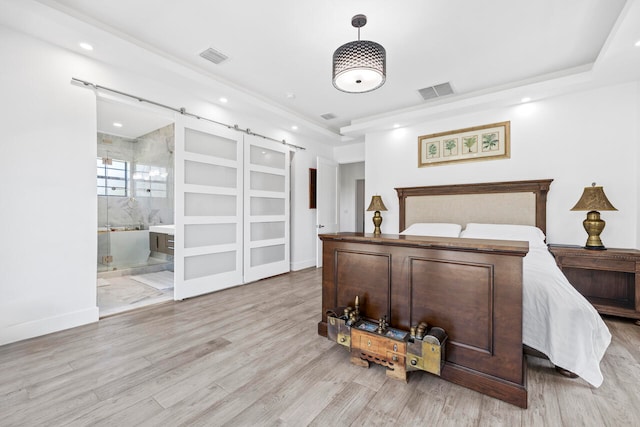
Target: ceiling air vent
{"points": [[328, 116], [214, 56], [436, 91]]}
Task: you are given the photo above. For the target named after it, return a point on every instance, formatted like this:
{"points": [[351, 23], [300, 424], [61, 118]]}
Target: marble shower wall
{"points": [[146, 203]]}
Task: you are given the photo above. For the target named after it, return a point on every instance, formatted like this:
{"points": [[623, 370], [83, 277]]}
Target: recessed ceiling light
{"points": [[638, 43], [86, 46], [117, 124], [290, 95], [396, 125], [223, 100], [525, 99], [294, 127]]}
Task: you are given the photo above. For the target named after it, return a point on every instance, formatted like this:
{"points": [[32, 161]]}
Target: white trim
{"points": [[301, 265], [38, 327]]}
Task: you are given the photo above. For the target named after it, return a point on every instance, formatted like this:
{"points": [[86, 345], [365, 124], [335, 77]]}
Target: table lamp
{"points": [[377, 206], [593, 200]]}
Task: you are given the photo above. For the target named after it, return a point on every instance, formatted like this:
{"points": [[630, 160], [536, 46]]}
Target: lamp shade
{"points": [[593, 199], [376, 204], [359, 66]]}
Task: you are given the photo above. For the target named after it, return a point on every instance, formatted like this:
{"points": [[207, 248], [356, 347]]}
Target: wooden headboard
{"points": [[513, 202]]}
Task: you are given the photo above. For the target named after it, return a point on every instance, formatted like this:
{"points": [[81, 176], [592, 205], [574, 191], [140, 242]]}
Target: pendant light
{"points": [[359, 66]]}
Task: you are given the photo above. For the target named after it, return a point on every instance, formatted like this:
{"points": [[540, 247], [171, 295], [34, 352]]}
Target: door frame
{"points": [[328, 201]]}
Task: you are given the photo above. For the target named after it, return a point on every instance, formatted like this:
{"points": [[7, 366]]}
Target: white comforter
{"points": [[560, 322]]}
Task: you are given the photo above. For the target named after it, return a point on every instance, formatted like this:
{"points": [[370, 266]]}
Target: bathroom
{"points": [[135, 191]]}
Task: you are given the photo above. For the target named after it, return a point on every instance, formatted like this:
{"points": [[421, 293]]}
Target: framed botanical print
{"points": [[488, 142]]}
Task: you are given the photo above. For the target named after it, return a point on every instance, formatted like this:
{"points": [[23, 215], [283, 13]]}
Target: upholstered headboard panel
{"points": [[514, 202]]}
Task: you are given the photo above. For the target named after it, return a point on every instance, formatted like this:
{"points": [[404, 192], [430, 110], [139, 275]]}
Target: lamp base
{"points": [[377, 220], [596, 248], [593, 225]]}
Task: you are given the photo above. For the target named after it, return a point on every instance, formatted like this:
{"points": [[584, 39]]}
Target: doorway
{"points": [[340, 199], [359, 210], [352, 203], [135, 191]]}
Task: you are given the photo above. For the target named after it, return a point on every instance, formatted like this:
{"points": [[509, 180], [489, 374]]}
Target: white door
{"points": [[266, 209], [208, 217], [327, 201]]}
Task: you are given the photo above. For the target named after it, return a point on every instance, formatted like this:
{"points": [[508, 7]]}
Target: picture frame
{"points": [[487, 142]]}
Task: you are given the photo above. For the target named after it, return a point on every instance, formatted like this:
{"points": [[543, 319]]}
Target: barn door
{"points": [[266, 209], [208, 237]]}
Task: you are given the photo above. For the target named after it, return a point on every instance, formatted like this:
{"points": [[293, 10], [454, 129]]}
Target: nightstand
{"points": [[609, 279]]}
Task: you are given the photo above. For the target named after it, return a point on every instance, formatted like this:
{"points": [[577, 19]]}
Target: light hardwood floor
{"points": [[251, 356]]}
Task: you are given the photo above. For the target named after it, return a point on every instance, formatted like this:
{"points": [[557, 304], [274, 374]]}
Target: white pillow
{"points": [[527, 233], [437, 229]]}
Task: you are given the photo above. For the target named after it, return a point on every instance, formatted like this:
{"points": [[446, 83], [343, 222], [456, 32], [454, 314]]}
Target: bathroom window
{"points": [[113, 176], [150, 181]]}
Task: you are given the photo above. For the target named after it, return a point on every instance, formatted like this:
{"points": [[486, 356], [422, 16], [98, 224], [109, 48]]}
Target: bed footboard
{"points": [[471, 288]]}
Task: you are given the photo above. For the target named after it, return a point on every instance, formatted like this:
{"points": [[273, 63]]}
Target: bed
{"points": [[500, 299], [558, 321]]}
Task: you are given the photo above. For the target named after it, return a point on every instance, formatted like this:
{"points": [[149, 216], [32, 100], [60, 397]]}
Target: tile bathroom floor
{"points": [[123, 293]]}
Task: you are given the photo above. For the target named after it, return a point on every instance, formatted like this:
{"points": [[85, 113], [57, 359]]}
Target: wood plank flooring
{"points": [[251, 356]]}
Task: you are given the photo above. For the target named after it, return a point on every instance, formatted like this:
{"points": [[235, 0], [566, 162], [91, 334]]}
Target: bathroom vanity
{"points": [[161, 238]]}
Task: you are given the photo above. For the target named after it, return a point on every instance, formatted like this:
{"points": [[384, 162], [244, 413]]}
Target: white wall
{"points": [[48, 215], [47, 166], [575, 139], [351, 153], [637, 178]]}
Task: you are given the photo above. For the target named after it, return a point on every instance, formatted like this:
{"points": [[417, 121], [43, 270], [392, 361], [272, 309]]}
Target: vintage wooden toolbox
{"points": [[400, 351]]}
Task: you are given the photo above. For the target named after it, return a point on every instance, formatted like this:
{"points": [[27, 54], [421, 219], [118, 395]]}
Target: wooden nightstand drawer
{"points": [[601, 263]]}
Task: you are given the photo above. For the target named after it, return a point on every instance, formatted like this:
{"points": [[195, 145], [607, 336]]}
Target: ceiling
{"points": [[280, 51], [116, 118]]}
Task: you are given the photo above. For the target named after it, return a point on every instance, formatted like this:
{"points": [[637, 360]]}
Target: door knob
{"points": [[320, 226]]}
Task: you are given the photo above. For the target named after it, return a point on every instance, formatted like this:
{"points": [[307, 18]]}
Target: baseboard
{"points": [[301, 265], [36, 328]]}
